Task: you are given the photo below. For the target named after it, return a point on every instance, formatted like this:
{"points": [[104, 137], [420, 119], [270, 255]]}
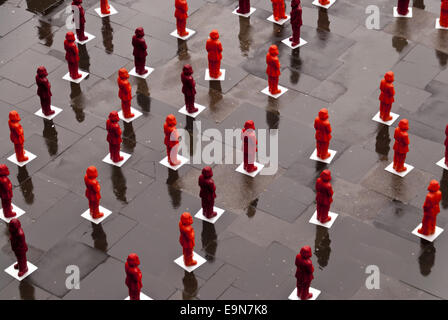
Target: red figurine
{"points": [[249, 146], [82, 20], [44, 91], [244, 7], [304, 273], [403, 7], [444, 14], [133, 276], [446, 145], [181, 17], [105, 7], [125, 92], [273, 69], [171, 139], [93, 192], [324, 2], [401, 146], [187, 238], [387, 96], [6, 192], [323, 134], [72, 55], [17, 136], [207, 193], [18, 246], [214, 49], [431, 209], [278, 8], [114, 136], [188, 88], [324, 196], [296, 21], [140, 52]]}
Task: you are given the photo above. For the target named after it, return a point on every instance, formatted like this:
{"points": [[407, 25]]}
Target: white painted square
{"points": [[30, 156], [89, 38], [180, 261], [438, 26], [86, 215], [316, 3], [279, 22], [15, 209], [315, 292], [328, 224], [430, 238], [391, 169], [144, 76], [83, 76], [219, 211], [111, 9], [246, 15], [57, 110], [14, 272], [222, 77], [289, 43], [125, 156], [327, 161], [442, 164], [142, 297], [251, 174], [191, 33], [183, 161], [397, 15], [201, 108], [387, 123], [275, 96], [128, 120]]}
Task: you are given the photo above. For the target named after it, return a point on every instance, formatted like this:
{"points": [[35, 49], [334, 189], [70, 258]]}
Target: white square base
{"points": [[401, 174], [289, 43], [430, 238], [88, 35], [279, 22], [316, 3], [442, 164], [183, 110], [251, 174], [315, 292], [397, 15], [387, 123], [14, 272], [128, 120], [83, 76], [328, 224], [125, 156], [191, 33], [57, 110], [327, 161], [86, 215], [246, 15], [111, 9], [438, 26], [219, 211], [16, 209], [183, 161], [180, 261], [30, 156], [142, 297], [275, 96], [144, 76], [221, 78]]}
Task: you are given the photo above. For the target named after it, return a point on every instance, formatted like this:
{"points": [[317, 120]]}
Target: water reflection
{"points": [[215, 94], [129, 141], [99, 237], [444, 189], [190, 286], [442, 57], [84, 58], [252, 209], [322, 247], [323, 23], [245, 36], [182, 50], [26, 185], [27, 291], [44, 32], [175, 194], [77, 101], [119, 184], [399, 43], [209, 240], [143, 99], [382, 145], [51, 137], [419, 4], [108, 37], [427, 257], [272, 116]]}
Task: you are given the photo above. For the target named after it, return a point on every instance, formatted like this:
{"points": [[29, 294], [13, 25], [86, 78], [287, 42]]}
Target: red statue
{"points": [[72, 55], [188, 88], [93, 192], [244, 7], [171, 139], [324, 2], [387, 96], [403, 7], [125, 92], [44, 91], [214, 49], [278, 8], [273, 69], [187, 238], [446, 145], [105, 7], [323, 134], [296, 21], [431, 209], [17, 136], [114, 136], [6, 192], [324, 196], [207, 193], [401, 146], [181, 17], [82, 20], [304, 273], [140, 53], [444, 14], [18, 246], [133, 276], [249, 146]]}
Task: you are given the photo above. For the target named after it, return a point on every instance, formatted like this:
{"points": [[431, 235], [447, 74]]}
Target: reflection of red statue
{"points": [[207, 193], [17, 136], [324, 2], [18, 246], [273, 69], [6, 192], [244, 7], [125, 92], [105, 7], [304, 273], [188, 88], [446, 145], [444, 14], [401, 146], [93, 192], [431, 209], [181, 17], [114, 136], [82, 20], [324, 196], [44, 91], [296, 21], [214, 49], [249, 146], [133, 276], [171, 139], [187, 238], [278, 8], [387, 96], [140, 53], [403, 7], [323, 134], [72, 55]]}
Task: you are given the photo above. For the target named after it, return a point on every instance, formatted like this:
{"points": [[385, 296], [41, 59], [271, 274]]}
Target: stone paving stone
{"points": [[13, 93], [220, 281], [416, 75], [11, 18]]}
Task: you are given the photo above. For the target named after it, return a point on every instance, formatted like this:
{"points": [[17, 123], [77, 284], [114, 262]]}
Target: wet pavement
{"points": [[250, 250]]}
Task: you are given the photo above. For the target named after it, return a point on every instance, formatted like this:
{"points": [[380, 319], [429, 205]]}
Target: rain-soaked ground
{"points": [[250, 251]]}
